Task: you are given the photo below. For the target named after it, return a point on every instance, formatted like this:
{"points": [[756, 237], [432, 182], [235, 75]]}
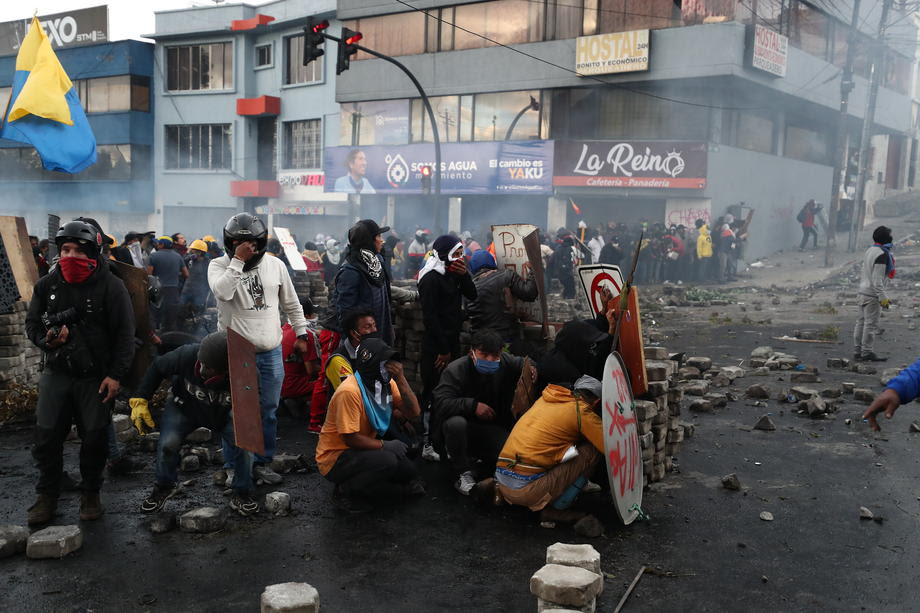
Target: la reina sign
{"points": [[611, 53], [768, 50]]}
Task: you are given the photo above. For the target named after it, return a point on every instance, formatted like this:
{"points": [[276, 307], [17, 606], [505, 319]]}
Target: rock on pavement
{"points": [[160, 523], [203, 519], [567, 554], [13, 540], [54, 542], [702, 363], [290, 598], [765, 423], [588, 526], [862, 394], [277, 503], [731, 482], [757, 391], [566, 585]]}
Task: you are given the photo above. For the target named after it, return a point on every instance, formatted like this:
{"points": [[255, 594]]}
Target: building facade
{"points": [[113, 81], [655, 111], [241, 121]]}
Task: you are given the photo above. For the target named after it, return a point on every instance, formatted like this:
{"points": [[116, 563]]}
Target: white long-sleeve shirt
{"points": [[873, 279], [251, 302]]}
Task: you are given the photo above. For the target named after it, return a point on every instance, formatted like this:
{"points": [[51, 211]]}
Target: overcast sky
{"points": [[127, 18]]}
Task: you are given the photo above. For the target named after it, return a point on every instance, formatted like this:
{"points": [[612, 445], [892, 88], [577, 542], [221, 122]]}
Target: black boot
{"points": [[43, 510]]}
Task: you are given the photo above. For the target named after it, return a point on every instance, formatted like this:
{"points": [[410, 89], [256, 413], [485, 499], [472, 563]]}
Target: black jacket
{"points": [[205, 405], [356, 290], [442, 308], [489, 311], [101, 342], [461, 388]]}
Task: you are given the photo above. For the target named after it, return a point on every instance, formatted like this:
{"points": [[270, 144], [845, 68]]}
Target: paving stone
{"points": [[733, 372], [847, 388], [689, 373], [545, 606], [286, 462], [814, 407], [199, 435], [716, 399], [803, 393], [865, 369], [700, 405], [278, 503], [862, 394], [657, 371], [190, 463], [647, 440], [696, 388], [760, 371], [582, 556], [13, 540], [763, 352], [720, 380], [121, 423], [126, 436], [757, 391], [803, 377], [765, 423], [702, 363], [675, 435], [830, 392], [203, 519], [290, 598], [657, 388], [645, 410], [589, 526], [675, 395], [566, 585], [203, 453], [54, 542], [162, 522], [731, 482], [656, 353], [838, 363]]}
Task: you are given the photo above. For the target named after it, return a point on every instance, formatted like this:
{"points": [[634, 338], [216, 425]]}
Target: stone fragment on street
{"points": [[54, 542], [203, 520], [702, 363], [190, 463], [914, 427], [847, 388], [199, 435], [803, 377], [161, 523], [763, 352], [863, 395], [278, 503], [766, 516], [696, 388], [290, 598], [757, 391], [589, 526], [566, 585], [731, 482], [12, 540], [865, 513], [568, 554], [803, 393], [700, 405], [765, 423]]}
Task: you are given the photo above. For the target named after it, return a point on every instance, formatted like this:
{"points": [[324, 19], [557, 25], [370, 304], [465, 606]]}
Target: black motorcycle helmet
{"points": [[82, 233], [246, 227]]}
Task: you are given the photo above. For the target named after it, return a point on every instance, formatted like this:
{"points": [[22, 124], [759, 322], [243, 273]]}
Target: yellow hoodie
{"points": [[542, 435], [704, 243]]}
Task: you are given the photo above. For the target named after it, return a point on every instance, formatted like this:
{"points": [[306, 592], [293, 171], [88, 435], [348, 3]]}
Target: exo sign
{"points": [[611, 53], [69, 29], [621, 441]]}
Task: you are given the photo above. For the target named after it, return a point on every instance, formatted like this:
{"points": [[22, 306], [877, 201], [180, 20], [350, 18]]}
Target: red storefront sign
{"points": [[631, 164]]}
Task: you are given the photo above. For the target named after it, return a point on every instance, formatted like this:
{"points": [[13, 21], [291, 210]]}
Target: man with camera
{"points": [[81, 318]]}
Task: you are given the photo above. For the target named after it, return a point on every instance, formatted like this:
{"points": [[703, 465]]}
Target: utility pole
{"points": [[842, 139], [875, 75]]}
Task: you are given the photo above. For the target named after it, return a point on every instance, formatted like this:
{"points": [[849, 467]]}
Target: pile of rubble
{"points": [[19, 358], [658, 417], [310, 285]]}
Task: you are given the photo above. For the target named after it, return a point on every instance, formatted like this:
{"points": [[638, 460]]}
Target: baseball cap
{"points": [[589, 384]]}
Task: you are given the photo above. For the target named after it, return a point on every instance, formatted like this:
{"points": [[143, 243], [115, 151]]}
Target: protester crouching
{"points": [[301, 367], [81, 317], [362, 448]]}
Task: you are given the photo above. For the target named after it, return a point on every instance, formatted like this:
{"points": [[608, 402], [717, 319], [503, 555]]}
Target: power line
{"points": [[575, 72]]}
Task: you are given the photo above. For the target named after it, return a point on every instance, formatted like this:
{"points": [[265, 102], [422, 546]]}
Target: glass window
{"points": [[140, 93], [398, 34], [198, 146], [303, 144], [113, 163], [381, 122], [627, 114], [108, 94], [294, 70], [5, 93], [810, 30], [897, 72], [747, 130], [263, 55], [806, 144], [494, 114], [446, 111], [625, 15], [199, 67], [564, 18]]}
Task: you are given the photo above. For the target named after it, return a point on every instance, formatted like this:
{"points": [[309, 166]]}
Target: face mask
{"points": [[76, 270], [486, 367], [384, 373]]}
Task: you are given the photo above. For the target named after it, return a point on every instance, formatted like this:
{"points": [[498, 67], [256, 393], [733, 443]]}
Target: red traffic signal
{"points": [[313, 40], [319, 27], [347, 48], [426, 179], [426, 171], [355, 37]]}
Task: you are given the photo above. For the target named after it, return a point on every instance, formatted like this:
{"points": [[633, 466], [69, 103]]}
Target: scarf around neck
{"points": [[379, 406], [889, 261]]}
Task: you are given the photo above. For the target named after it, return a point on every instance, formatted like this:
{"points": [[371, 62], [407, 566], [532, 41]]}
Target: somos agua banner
{"points": [[631, 164], [524, 167]]}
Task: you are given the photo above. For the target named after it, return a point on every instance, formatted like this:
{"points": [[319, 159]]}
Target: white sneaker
{"points": [[229, 481], [428, 453], [590, 487], [465, 483]]}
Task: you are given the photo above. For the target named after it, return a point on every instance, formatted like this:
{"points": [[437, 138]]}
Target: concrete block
{"points": [[54, 542], [657, 371], [121, 423], [732, 372], [567, 585], [200, 435], [290, 598], [189, 463], [697, 388], [803, 377], [544, 606], [657, 388], [160, 523], [203, 519], [12, 540], [582, 556], [645, 410], [278, 503], [702, 363], [861, 394], [656, 353]]}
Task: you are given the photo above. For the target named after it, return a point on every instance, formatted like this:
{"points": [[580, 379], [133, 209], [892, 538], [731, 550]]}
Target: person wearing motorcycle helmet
{"points": [[81, 317], [251, 292]]}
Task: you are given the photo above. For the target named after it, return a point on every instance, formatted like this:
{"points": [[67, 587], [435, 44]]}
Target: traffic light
{"points": [[426, 179], [313, 39], [347, 48]]}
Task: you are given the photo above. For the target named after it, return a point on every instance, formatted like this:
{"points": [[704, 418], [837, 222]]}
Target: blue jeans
{"points": [[271, 377], [174, 427], [115, 452]]}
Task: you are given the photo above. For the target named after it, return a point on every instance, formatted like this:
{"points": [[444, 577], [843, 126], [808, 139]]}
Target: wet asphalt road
{"points": [[706, 546]]}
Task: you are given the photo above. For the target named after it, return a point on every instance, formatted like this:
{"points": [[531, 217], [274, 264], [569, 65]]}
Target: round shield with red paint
{"points": [[621, 440]]}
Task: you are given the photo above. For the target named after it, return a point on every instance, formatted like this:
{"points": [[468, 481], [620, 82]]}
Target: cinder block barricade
{"points": [[571, 580]]}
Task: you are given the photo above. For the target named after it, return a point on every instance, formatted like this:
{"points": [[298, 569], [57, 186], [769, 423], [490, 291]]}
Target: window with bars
{"points": [[294, 70], [198, 146], [199, 67], [303, 144]]}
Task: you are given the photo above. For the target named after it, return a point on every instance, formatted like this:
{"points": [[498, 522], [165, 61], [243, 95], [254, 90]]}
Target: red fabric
{"points": [[311, 265], [77, 270], [296, 382], [809, 220], [676, 244], [329, 342]]}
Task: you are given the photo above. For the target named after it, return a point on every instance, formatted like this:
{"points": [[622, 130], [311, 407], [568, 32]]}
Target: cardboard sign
{"points": [[597, 277], [622, 453], [290, 248], [135, 280], [244, 393], [517, 246]]}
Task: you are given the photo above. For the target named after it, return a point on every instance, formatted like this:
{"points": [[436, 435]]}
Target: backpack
{"points": [[801, 216]]}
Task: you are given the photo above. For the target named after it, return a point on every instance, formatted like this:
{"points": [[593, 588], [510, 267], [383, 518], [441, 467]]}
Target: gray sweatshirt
{"points": [[873, 279]]}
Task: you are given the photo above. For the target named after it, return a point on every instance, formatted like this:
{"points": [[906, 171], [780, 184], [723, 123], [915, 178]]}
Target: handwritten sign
{"points": [[685, 211], [290, 248], [517, 246], [597, 277], [621, 441]]}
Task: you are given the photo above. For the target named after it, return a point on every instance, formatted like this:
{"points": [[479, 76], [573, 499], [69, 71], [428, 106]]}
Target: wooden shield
{"points": [[19, 252], [135, 280], [622, 453], [632, 348], [525, 394], [244, 393]]}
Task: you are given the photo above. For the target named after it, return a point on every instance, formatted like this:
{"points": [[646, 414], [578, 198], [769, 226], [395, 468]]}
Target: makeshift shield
{"points": [[135, 280], [595, 278], [525, 394], [517, 246], [244, 393], [54, 224], [621, 441], [631, 345], [290, 248]]}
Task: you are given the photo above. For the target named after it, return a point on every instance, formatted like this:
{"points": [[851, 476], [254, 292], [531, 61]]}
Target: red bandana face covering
{"points": [[76, 270]]}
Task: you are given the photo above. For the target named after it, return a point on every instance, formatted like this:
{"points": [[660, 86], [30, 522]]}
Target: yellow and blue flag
{"points": [[44, 109]]}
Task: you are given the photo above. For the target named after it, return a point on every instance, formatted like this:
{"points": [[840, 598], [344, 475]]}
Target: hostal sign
{"points": [[612, 52]]}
